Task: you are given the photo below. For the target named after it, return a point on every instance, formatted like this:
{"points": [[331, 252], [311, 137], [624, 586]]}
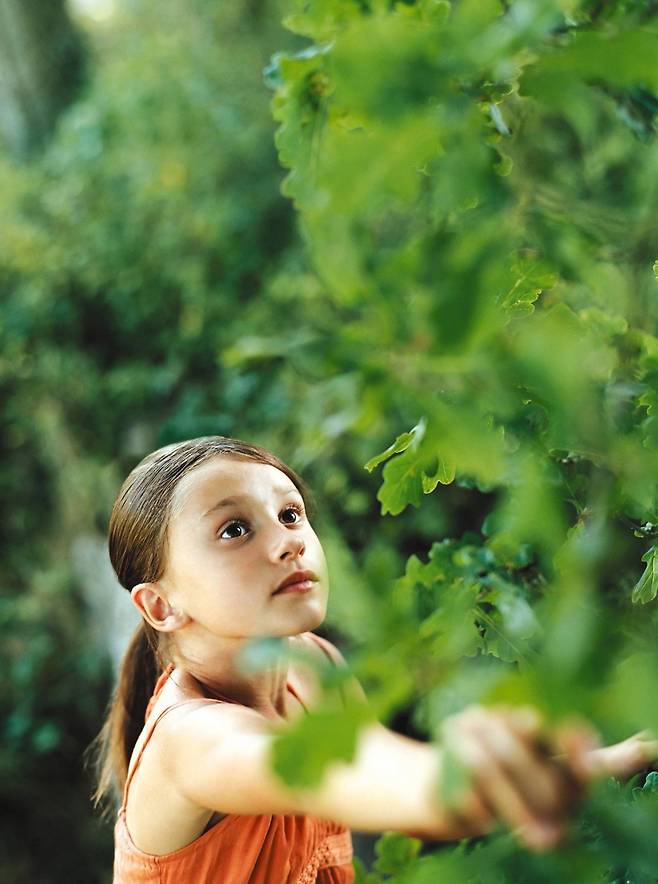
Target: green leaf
{"points": [[411, 475], [512, 622], [301, 754], [500, 643], [531, 277], [651, 782], [451, 631], [403, 484], [587, 58], [395, 853], [454, 779], [403, 441], [646, 589], [362, 876], [417, 470], [445, 474], [605, 324]]}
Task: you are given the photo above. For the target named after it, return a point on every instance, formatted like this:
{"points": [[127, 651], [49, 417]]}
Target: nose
{"points": [[290, 545]]}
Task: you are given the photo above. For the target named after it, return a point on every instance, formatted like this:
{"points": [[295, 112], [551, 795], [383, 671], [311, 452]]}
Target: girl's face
{"points": [[238, 530]]}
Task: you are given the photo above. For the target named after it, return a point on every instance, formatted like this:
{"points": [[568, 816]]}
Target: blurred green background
{"points": [[153, 288], [323, 227]]}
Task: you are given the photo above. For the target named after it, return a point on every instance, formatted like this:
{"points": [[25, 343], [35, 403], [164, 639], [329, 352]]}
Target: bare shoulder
{"points": [[193, 730], [207, 720], [168, 772], [216, 756], [322, 648], [325, 651]]}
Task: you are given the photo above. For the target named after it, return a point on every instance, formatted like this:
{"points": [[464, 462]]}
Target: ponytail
{"points": [[113, 747]]}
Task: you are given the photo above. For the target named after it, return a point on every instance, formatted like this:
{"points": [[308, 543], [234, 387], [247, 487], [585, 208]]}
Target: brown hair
{"points": [[137, 543]]}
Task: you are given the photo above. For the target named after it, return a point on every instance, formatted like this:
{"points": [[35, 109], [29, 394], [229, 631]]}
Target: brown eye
{"points": [[234, 530], [290, 515]]}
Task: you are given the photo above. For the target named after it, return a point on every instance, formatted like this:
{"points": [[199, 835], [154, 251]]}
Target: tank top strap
{"points": [[160, 683], [150, 726], [295, 694]]}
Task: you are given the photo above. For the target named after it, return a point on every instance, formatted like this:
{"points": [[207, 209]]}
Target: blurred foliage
{"points": [[472, 295], [153, 289], [476, 187]]}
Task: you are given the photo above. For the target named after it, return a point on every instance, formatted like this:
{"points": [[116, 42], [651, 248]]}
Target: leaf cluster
{"points": [[475, 183]]}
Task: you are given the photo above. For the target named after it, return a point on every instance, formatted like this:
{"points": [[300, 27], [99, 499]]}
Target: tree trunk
{"points": [[40, 68]]}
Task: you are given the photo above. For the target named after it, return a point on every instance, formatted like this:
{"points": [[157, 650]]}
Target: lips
{"points": [[298, 580]]}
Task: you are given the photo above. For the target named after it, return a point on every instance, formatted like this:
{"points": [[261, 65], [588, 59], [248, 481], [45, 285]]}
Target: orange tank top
{"points": [[238, 849]]}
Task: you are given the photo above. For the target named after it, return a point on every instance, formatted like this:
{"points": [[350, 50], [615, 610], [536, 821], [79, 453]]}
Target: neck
{"points": [[217, 673]]}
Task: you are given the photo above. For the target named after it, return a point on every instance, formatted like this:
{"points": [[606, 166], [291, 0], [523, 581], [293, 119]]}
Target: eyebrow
{"points": [[283, 491]]}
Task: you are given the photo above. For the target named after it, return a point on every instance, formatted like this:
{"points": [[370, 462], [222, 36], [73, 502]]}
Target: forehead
{"points": [[228, 477]]}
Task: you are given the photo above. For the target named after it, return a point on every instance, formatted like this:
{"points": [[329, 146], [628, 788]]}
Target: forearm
{"points": [[391, 784]]}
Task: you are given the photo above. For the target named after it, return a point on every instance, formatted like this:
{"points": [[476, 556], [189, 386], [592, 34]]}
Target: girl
{"points": [[212, 539]]}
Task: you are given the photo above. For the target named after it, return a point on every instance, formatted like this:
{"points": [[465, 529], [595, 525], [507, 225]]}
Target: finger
{"points": [[643, 735], [471, 816], [524, 720], [622, 759], [543, 784], [501, 796], [575, 743]]}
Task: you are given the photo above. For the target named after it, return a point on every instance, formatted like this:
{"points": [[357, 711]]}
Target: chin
{"points": [[307, 620], [316, 621]]}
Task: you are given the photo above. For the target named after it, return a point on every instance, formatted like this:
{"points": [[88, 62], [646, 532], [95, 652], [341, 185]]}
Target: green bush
{"points": [[154, 289], [474, 189], [476, 185]]}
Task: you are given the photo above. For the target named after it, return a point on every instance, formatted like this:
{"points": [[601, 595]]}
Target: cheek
{"points": [[196, 572], [315, 547]]}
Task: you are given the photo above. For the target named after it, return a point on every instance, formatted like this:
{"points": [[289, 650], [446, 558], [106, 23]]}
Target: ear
{"points": [[152, 604]]}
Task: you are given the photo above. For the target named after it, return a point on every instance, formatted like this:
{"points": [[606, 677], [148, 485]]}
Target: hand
{"points": [[620, 760], [512, 775]]}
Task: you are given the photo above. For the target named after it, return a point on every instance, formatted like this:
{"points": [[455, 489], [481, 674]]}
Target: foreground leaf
{"points": [[301, 755], [646, 589]]}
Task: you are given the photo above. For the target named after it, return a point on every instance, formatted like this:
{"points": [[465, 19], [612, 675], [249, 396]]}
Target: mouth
{"points": [[300, 581]]}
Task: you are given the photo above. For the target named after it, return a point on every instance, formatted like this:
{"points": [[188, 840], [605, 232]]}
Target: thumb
{"points": [[578, 744], [624, 759]]}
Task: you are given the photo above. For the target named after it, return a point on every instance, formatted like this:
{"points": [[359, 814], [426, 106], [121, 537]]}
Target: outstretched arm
{"points": [[219, 758]]}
